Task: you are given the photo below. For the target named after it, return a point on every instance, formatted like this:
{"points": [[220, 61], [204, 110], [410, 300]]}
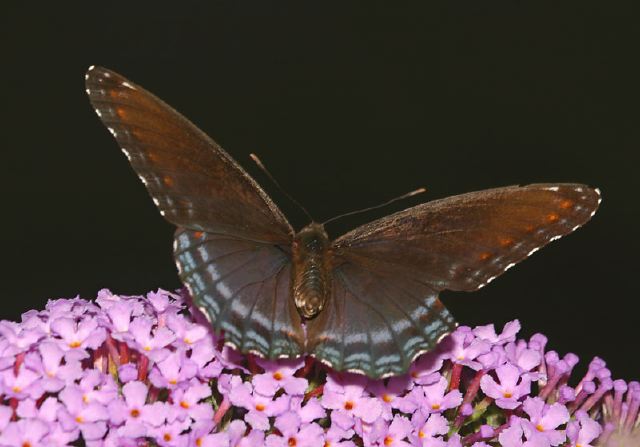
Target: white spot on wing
{"points": [[533, 251], [552, 188], [126, 84], [211, 270], [224, 290], [113, 131], [204, 312]]}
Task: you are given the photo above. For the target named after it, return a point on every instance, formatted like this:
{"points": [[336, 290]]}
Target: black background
{"points": [[348, 104]]}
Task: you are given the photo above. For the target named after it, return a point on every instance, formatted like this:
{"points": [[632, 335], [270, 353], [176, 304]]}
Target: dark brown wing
{"points": [[227, 244], [244, 288], [463, 242], [192, 180], [388, 273]]}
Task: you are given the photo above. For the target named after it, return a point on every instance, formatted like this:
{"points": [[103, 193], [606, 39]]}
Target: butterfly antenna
{"points": [[402, 197], [257, 161]]}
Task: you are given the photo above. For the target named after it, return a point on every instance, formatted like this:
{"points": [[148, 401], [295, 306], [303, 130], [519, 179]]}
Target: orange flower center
{"points": [[348, 405], [184, 404], [435, 406], [539, 427], [387, 398], [74, 344], [167, 437], [507, 394], [79, 419], [26, 444], [388, 440], [199, 442], [277, 375], [421, 434], [292, 442], [134, 413], [260, 407]]}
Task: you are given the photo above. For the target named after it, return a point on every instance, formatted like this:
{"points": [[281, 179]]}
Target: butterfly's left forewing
{"points": [[387, 273], [230, 233]]}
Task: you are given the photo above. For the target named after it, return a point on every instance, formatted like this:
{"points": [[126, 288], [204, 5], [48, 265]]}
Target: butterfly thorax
{"points": [[311, 280]]}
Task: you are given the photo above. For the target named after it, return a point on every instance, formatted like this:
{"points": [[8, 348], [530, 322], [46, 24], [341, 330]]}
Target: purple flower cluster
{"points": [[141, 371]]}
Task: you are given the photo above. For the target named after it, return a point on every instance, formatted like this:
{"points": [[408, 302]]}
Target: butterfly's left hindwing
{"points": [[244, 288]]}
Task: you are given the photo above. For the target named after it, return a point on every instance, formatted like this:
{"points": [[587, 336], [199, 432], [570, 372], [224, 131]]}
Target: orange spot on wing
{"points": [[121, 113], [197, 234], [484, 256], [565, 204], [506, 241], [168, 181], [529, 228], [552, 217]]}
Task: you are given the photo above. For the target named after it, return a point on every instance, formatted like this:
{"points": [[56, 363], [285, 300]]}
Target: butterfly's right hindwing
{"points": [[376, 324]]}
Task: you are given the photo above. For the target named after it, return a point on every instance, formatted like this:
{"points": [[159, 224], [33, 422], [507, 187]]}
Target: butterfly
{"points": [[365, 302]]}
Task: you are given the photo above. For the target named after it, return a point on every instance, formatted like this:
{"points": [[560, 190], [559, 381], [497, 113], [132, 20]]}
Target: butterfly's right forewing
{"points": [[387, 273]]}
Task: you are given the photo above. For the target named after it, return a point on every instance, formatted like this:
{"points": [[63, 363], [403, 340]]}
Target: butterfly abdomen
{"points": [[311, 280]]}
